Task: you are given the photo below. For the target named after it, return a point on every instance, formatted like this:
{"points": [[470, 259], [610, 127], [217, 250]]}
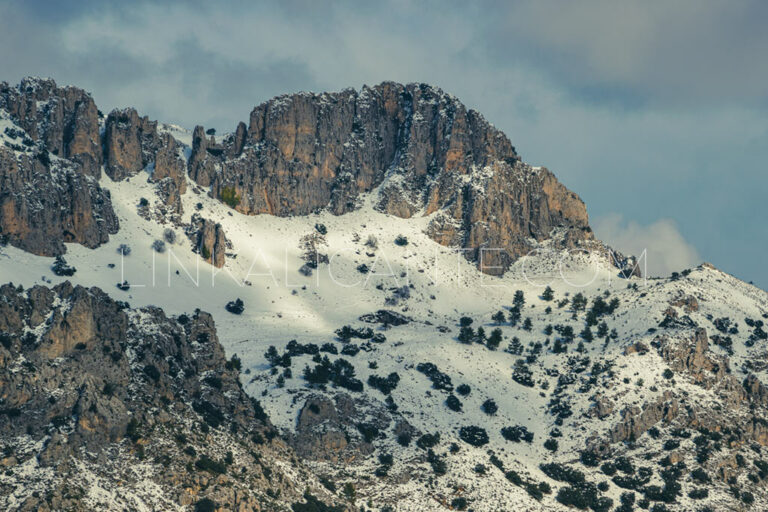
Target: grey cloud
{"points": [[660, 246]]}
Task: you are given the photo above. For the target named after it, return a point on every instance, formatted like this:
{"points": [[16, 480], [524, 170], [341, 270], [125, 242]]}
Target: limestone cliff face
{"points": [[44, 204], [426, 151], [208, 240], [130, 143], [64, 119], [50, 159]]}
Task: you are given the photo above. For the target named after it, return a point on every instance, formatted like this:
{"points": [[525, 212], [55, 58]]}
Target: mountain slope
{"points": [[112, 408], [360, 336]]}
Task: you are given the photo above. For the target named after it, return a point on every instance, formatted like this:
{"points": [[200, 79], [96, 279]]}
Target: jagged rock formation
{"points": [[424, 150], [63, 119], [427, 152], [45, 203], [49, 162], [105, 407], [208, 240]]}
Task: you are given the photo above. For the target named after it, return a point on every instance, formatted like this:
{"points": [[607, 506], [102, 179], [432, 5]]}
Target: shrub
{"points": [[152, 372], [368, 431], [489, 407], [320, 228], [401, 240], [229, 196], [205, 463], [551, 444], [158, 246], [453, 403], [465, 321], [236, 307], [459, 503], [439, 380], [473, 435], [517, 433], [123, 249], [404, 439], [385, 385], [60, 267], [372, 242], [464, 389], [428, 441], [315, 505], [169, 236], [206, 505], [668, 374]]}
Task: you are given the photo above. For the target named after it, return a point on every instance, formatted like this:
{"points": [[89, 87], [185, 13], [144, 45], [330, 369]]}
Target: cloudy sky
{"points": [[655, 113]]}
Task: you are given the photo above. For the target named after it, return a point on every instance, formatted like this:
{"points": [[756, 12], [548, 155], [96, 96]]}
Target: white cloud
{"points": [[666, 249]]}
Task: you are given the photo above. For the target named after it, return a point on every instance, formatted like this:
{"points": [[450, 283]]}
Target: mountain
{"points": [[402, 315]]}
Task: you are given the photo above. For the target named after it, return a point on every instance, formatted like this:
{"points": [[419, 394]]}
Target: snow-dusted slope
{"points": [[434, 286]]}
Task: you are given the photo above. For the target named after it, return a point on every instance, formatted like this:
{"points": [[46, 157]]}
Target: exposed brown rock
{"points": [[422, 147], [64, 119], [208, 240], [130, 143], [168, 163], [44, 205]]}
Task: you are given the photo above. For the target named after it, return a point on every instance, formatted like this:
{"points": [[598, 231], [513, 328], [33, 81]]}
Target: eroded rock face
{"points": [[208, 240], [168, 163], [130, 143], [327, 428], [90, 389], [64, 119], [44, 204], [426, 151]]}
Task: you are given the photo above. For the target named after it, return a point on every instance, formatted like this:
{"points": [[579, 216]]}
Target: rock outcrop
{"points": [[427, 153], [99, 403], [45, 203], [63, 119], [208, 240], [130, 143], [50, 161]]}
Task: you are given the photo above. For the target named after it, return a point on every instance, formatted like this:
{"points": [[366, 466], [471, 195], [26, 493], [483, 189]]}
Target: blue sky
{"points": [[655, 113]]}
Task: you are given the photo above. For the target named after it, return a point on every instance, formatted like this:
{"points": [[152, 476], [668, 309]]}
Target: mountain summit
{"points": [[419, 149]]}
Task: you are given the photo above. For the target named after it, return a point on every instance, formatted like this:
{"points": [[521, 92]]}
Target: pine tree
{"points": [[579, 302], [466, 334], [527, 324], [514, 316], [494, 339], [548, 294], [519, 300], [499, 317]]}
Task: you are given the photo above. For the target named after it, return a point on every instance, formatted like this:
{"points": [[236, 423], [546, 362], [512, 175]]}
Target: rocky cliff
{"points": [[107, 407], [50, 160], [419, 149], [425, 151]]}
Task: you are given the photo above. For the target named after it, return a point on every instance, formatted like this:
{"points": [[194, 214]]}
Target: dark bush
{"points": [[453, 403], [517, 433], [473, 435], [236, 307], [489, 407], [205, 463], [428, 441], [206, 505]]}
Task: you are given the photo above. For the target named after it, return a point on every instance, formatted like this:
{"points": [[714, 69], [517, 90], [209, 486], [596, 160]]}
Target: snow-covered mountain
{"points": [[427, 321]]}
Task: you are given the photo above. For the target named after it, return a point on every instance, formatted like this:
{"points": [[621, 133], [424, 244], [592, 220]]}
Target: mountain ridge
{"points": [[421, 149]]}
